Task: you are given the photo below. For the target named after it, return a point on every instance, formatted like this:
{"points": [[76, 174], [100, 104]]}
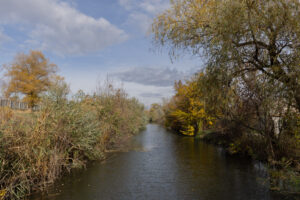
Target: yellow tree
{"points": [[29, 75], [188, 109]]}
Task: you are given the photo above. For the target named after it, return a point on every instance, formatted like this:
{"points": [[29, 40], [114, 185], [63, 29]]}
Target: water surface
{"points": [[163, 165]]}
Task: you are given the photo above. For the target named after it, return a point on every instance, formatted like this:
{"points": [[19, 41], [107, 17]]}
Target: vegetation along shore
{"points": [[246, 96], [37, 147]]}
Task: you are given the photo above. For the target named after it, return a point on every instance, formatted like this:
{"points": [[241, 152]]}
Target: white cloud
{"points": [[141, 20], [59, 27], [142, 12], [149, 6], [148, 94], [154, 6], [162, 77], [150, 84], [127, 4]]}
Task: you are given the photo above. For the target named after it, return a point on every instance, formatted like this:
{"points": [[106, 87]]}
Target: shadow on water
{"points": [[162, 165]]}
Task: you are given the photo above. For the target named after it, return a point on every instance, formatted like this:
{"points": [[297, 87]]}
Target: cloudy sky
{"points": [[92, 39]]}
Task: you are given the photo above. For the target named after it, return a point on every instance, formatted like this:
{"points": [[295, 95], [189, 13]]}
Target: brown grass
{"points": [[36, 147]]}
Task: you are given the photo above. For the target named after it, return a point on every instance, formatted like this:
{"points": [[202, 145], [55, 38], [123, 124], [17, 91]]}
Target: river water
{"points": [[163, 165]]}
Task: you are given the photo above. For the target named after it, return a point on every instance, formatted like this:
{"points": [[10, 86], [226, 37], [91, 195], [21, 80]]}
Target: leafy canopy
{"points": [[29, 75], [186, 111], [239, 35]]}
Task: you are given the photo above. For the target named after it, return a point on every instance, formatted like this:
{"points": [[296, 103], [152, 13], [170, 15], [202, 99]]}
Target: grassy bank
{"points": [[37, 148]]}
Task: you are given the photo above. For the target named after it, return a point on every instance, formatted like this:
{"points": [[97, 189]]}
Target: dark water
{"points": [[162, 165]]}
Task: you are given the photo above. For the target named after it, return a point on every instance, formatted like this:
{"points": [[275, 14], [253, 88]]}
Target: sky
{"points": [[91, 40]]}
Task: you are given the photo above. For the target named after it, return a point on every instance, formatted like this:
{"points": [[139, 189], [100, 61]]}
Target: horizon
{"points": [[91, 40]]}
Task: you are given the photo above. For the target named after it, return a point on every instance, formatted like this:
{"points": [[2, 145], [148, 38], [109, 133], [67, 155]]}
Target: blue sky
{"points": [[92, 39]]}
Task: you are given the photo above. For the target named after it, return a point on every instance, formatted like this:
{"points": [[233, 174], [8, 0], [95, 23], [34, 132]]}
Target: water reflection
{"points": [[162, 165]]}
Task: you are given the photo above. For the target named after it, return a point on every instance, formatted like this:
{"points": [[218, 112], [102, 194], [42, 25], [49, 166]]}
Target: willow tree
{"points": [[29, 75], [239, 35]]}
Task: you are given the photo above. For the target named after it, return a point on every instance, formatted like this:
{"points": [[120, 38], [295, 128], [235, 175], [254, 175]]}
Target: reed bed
{"points": [[37, 148]]}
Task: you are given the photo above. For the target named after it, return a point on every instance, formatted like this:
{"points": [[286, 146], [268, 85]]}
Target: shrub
{"points": [[36, 149]]}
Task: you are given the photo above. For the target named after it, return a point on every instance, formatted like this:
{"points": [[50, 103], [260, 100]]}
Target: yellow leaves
{"points": [[190, 131], [2, 194], [187, 109], [29, 75], [181, 21], [181, 115]]}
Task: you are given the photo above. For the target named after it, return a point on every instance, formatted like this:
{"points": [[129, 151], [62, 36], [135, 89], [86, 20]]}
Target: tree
{"points": [[156, 113], [186, 111], [242, 36], [29, 75], [252, 69], [58, 90]]}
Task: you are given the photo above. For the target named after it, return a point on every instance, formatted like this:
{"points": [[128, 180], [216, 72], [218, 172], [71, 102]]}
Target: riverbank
{"points": [[38, 148], [163, 165], [284, 178], [246, 121]]}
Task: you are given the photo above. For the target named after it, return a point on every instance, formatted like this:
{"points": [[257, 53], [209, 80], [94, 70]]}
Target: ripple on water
{"points": [[162, 165]]}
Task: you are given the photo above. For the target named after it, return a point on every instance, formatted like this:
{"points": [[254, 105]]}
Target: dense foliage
{"points": [[240, 37], [35, 148], [29, 75], [156, 114], [248, 92]]}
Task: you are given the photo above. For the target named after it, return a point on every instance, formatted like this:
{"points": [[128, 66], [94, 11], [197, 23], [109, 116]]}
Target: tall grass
{"points": [[36, 148]]}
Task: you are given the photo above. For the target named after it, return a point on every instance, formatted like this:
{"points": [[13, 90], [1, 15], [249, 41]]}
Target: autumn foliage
{"points": [[29, 75], [36, 148], [248, 92], [239, 36], [186, 111]]}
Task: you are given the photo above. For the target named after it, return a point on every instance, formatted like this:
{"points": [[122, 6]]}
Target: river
{"points": [[163, 165]]}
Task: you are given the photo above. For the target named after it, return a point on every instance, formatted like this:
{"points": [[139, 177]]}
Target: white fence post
{"points": [[17, 105]]}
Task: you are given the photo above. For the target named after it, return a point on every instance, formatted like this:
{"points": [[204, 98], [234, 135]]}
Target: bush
{"points": [[35, 149]]}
